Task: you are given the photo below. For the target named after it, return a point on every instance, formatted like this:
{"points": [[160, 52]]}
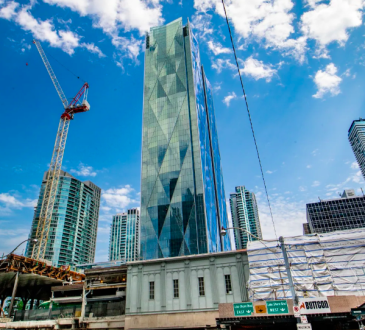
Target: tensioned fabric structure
{"points": [[182, 191]]}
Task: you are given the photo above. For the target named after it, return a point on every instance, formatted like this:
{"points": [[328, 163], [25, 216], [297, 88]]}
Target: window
{"points": [[176, 288], [228, 283], [152, 290], [201, 286]]}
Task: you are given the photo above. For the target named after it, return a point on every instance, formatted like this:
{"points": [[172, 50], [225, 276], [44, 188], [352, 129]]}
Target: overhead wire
{"points": [[249, 116], [78, 77]]}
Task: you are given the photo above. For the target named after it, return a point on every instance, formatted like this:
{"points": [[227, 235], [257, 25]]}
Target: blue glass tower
{"points": [[182, 191]]}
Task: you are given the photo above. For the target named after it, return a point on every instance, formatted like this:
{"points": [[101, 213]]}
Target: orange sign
{"points": [[260, 309]]}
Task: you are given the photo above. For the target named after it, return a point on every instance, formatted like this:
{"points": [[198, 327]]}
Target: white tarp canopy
{"points": [[321, 265]]}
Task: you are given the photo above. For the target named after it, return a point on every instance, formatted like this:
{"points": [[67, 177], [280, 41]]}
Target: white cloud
{"points": [[217, 48], [229, 98], [45, 30], [13, 201], [84, 170], [302, 188], [355, 178], [119, 198], [354, 165], [112, 15], [257, 69], [269, 21], [309, 166], [288, 214], [315, 152], [327, 23], [8, 11], [115, 15], [92, 49], [269, 172], [316, 183], [201, 23], [327, 81], [220, 64]]}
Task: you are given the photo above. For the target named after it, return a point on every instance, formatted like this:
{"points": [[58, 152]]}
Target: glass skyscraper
{"points": [[72, 236], [245, 215], [356, 136], [182, 192], [124, 236]]}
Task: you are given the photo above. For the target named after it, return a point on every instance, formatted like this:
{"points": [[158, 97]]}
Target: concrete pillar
{"points": [[187, 284], [213, 282], [14, 293], [163, 287], [83, 304]]}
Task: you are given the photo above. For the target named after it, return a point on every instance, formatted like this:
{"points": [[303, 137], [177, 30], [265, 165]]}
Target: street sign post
{"points": [[277, 307], [304, 319], [243, 309]]}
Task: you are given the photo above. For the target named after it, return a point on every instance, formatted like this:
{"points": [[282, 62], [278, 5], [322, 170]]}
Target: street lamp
{"points": [[34, 240], [224, 232]]}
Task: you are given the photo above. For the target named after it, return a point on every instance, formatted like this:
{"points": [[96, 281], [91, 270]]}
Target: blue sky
{"points": [[303, 67]]}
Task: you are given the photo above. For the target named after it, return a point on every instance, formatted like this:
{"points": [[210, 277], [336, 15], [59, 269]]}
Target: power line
{"points": [[249, 116]]}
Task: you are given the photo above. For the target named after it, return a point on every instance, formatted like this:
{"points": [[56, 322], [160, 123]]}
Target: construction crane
{"points": [[77, 105]]}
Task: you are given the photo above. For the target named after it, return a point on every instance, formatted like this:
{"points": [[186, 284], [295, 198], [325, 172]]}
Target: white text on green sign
{"points": [[243, 309], [277, 307]]}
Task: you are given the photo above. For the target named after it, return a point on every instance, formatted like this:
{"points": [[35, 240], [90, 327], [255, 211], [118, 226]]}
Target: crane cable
{"points": [[249, 116], [78, 77]]}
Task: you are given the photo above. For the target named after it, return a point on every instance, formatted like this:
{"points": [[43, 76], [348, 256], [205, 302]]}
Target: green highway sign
{"points": [[243, 309], [277, 307], [357, 312]]}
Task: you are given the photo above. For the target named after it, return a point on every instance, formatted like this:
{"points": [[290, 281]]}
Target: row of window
{"points": [[227, 280]]}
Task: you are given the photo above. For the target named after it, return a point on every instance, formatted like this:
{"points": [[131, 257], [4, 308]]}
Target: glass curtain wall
{"points": [[181, 196]]}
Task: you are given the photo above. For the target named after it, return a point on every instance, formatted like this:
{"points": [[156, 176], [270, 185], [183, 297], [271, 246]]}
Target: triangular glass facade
{"points": [[182, 193]]}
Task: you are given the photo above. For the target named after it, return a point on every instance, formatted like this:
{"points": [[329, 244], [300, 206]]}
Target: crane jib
{"points": [[38, 248]]}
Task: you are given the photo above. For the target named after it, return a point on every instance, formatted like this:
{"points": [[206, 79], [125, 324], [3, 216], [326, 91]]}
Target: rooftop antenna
{"points": [[339, 194], [362, 192], [319, 199]]}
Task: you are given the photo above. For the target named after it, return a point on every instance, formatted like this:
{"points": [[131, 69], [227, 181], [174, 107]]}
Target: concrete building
{"points": [[124, 236], [182, 192], [356, 135], [72, 236], [347, 212], [306, 229], [184, 291], [245, 215]]}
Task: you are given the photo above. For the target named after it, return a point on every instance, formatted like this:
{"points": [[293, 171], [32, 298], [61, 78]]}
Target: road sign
{"points": [[296, 311], [243, 309], [260, 309], [357, 312], [304, 326], [277, 307], [304, 319]]}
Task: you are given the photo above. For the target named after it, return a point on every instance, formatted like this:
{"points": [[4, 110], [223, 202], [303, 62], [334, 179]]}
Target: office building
{"points": [[245, 215], [356, 136], [347, 212], [124, 236], [72, 236], [182, 192]]}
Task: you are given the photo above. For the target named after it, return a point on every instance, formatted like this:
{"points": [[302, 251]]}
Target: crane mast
{"points": [[53, 175]]}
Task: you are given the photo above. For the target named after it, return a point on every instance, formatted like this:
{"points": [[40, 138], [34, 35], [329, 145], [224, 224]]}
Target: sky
{"points": [[303, 67]]}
